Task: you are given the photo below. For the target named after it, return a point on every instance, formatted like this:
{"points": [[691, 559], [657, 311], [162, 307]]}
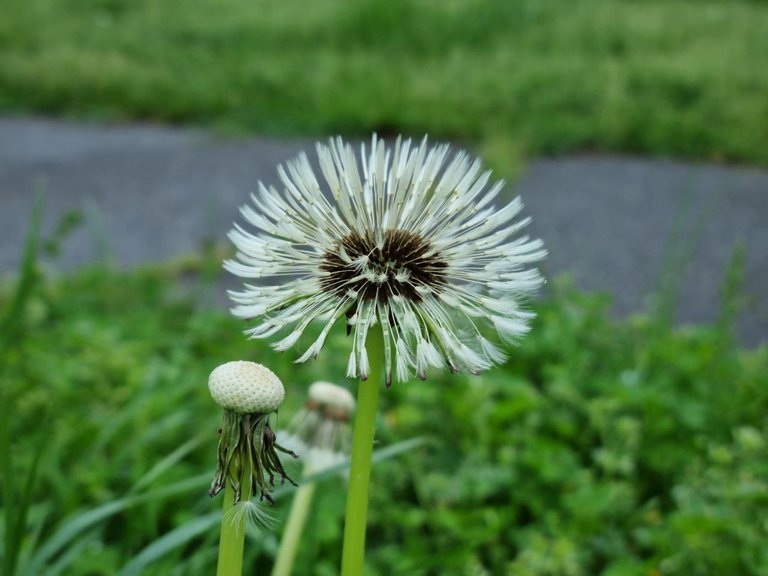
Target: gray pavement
{"points": [[149, 194]]}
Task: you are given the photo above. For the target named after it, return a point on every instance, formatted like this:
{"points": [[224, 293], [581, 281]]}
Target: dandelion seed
{"points": [[249, 516], [401, 239]]}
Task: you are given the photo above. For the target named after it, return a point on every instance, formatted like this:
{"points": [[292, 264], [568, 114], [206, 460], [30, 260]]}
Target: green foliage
{"points": [[515, 77], [593, 452], [17, 488], [600, 448]]}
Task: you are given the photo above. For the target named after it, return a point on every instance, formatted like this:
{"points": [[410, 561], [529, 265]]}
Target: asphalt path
{"points": [[616, 225]]}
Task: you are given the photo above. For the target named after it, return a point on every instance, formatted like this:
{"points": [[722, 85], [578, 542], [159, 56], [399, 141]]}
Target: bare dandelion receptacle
{"points": [[248, 448], [246, 388]]}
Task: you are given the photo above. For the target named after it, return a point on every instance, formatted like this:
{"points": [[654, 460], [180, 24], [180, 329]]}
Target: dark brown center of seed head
{"points": [[405, 262]]}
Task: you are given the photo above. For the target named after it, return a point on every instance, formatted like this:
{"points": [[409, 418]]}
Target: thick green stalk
{"points": [[353, 554], [294, 527], [233, 529]]}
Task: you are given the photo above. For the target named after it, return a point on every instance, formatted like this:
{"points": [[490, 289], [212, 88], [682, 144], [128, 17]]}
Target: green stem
{"points": [[233, 529], [353, 554], [289, 544]]}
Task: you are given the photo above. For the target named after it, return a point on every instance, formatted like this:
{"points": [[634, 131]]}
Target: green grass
{"points": [[602, 447], [672, 77]]}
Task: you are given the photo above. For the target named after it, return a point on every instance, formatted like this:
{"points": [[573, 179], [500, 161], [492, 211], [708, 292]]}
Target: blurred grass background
{"points": [[602, 447], [663, 77], [627, 448]]}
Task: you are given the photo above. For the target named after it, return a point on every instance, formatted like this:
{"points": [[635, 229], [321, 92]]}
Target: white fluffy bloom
{"points": [[401, 239]]}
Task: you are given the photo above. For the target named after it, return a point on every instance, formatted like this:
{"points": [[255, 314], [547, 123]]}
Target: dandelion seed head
{"points": [[337, 401], [320, 431], [404, 239]]}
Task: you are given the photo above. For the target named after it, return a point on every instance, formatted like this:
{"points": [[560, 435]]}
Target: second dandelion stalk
{"points": [[289, 544], [321, 433]]}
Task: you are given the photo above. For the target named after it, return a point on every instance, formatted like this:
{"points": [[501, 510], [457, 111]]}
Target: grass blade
{"points": [[166, 463], [11, 540], [171, 541], [11, 321], [74, 527]]}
